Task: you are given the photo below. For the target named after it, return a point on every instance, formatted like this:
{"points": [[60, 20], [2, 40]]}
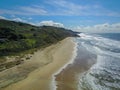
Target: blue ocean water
{"points": [[114, 36], [105, 73]]}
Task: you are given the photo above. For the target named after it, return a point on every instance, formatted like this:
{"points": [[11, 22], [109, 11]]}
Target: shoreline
{"points": [[69, 78], [55, 57], [74, 55]]}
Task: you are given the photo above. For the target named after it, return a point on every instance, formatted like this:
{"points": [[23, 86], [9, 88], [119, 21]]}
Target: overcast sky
{"points": [[79, 15]]}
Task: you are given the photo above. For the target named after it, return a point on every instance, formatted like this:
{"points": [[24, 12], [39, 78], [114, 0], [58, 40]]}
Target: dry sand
{"points": [[51, 59]]}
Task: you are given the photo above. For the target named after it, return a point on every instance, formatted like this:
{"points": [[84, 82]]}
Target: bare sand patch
{"points": [[49, 60]]}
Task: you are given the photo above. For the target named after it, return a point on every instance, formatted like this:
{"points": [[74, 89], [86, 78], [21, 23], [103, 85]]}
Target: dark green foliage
{"points": [[7, 33], [17, 37]]}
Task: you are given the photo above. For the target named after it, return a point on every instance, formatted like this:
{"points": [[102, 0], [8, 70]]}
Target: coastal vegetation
{"points": [[18, 37]]}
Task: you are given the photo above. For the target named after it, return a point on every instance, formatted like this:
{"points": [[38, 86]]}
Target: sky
{"points": [[78, 15]]}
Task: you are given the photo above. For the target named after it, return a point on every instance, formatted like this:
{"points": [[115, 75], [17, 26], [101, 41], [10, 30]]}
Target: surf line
{"points": [[53, 85]]}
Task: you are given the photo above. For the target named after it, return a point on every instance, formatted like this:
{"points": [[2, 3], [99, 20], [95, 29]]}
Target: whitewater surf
{"points": [[96, 66]]}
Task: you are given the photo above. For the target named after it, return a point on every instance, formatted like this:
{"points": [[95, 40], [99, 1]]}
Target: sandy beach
{"points": [[49, 61], [68, 78]]}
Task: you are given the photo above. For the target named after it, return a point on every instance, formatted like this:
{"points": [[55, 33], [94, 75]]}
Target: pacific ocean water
{"points": [[105, 73]]}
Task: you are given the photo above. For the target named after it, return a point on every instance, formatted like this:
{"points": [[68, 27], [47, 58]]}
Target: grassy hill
{"points": [[16, 37], [18, 42]]}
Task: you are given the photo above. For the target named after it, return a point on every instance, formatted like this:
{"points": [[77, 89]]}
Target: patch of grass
{"points": [[17, 37]]}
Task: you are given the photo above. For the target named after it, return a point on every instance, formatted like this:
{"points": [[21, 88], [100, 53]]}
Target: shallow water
{"points": [[96, 67], [105, 74], [67, 79]]}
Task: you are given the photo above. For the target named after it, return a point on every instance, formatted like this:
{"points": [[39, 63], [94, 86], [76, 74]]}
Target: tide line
{"points": [[54, 84]]}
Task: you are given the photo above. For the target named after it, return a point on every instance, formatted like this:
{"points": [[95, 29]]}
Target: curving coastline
{"points": [[73, 56], [52, 58]]}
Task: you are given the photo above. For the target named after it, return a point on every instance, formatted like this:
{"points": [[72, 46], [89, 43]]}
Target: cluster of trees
{"points": [[17, 36], [7, 33]]}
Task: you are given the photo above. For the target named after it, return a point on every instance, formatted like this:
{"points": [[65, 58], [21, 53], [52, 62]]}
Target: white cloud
{"points": [[13, 16], [29, 18], [65, 7], [68, 8], [1, 17], [50, 23], [61, 7], [100, 28], [35, 10], [25, 10], [19, 20]]}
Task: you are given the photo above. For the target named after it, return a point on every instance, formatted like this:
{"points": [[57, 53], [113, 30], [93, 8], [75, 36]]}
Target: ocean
{"points": [[96, 66]]}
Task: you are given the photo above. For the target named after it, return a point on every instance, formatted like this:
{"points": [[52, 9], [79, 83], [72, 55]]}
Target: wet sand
{"points": [[68, 78], [51, 59]]}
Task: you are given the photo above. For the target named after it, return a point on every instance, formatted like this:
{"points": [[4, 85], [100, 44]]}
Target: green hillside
{"points": [[16, 37]]}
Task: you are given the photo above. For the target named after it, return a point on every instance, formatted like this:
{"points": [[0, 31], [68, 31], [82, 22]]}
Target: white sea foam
{"points": [[106, 70], [54, 84], [101, 45]]}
